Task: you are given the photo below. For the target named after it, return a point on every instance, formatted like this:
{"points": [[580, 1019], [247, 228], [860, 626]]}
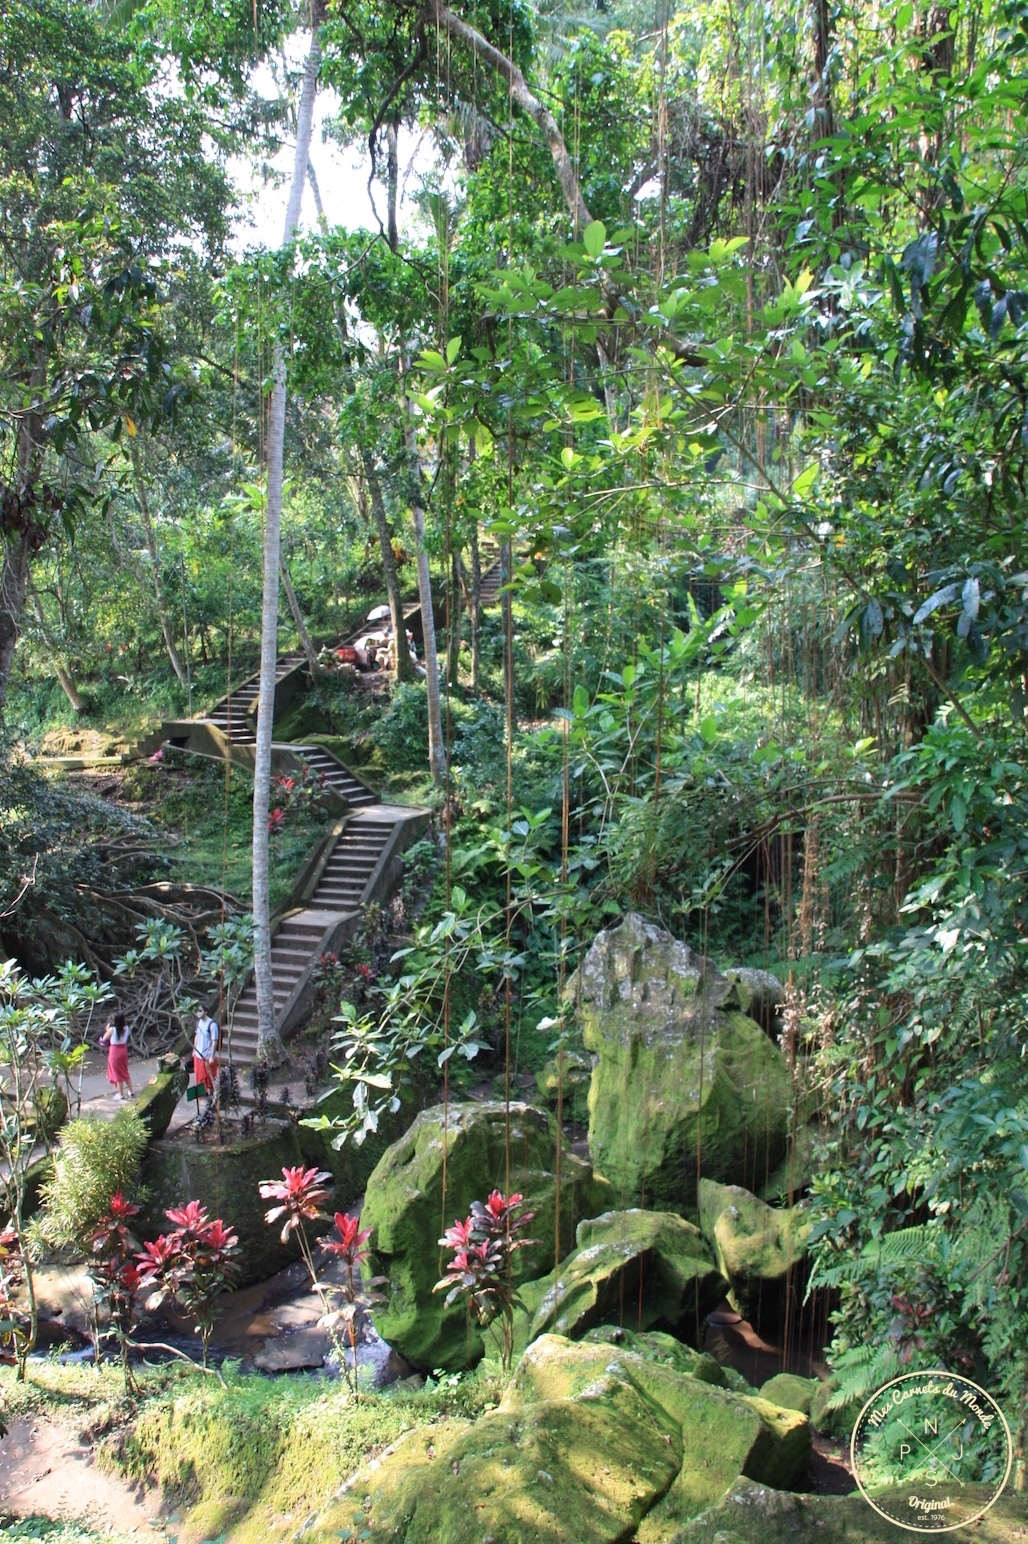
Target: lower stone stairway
{"points": [[344, 885]]}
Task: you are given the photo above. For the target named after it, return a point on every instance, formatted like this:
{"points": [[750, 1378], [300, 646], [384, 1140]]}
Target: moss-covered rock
{"points": [[759, 994], [588, 1444], [654, 1260], [827, 1416], [656, 1346], [225, 1180], [796, 1170], [685, 1083], [572, 1079], [587, 1469], [756, 1246], [158, 1101], [754, 1514], [789, 1391], [404, 1206]]}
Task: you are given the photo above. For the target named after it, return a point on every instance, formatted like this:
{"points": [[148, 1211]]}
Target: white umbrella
{"points": [[378, 613]]}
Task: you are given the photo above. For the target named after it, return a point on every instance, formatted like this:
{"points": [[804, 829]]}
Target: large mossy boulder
{"points": [[473, 1146], [756, 1246], [655, 1261], [588, 1442], [225, 1180], [685, 1083]]}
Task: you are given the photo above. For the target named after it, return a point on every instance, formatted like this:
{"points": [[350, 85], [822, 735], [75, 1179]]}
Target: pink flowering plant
{"points": [[481, 1270], [192, 1265]]}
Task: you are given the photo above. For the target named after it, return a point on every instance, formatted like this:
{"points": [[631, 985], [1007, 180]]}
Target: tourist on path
{"points": [[205, 1051], [116, 1036]]}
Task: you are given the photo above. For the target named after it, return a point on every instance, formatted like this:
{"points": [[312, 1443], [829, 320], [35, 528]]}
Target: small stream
{"points": [[269, 1327]]}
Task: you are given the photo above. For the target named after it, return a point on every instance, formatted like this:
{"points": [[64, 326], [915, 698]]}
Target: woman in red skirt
{"points": [[117, 1037]]}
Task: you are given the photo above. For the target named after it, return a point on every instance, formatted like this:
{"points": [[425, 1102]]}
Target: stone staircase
{"points": [[350, 876], [492, 579], [233, 715], [336, 775]]}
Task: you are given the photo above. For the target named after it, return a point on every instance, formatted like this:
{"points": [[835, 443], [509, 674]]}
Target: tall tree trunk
{"points": [[269, 1042], [436, 742], [370, 484], [67, 685], [301, 626], [392, 184], [23, 535], [14, 578], [453, 621], [155, 566]]}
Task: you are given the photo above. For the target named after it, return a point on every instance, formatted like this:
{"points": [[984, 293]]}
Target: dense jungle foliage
{"points": [[711, 321]]}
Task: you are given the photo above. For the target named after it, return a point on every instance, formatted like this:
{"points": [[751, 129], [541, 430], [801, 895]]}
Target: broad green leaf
{"points": [[594, 238]]}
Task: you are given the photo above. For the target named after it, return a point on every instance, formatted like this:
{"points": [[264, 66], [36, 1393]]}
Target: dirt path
{"points": [[46, 1470]]}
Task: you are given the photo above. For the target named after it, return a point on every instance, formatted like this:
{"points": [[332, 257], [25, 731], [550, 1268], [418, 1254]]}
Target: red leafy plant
{"points": [[193, 1265], [115, 1275], [357, 1294], [481, 1270], [300, 1193], [15, 1322]]}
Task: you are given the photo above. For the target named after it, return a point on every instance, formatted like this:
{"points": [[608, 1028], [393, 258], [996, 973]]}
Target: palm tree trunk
{"points": [[269, 1042]]}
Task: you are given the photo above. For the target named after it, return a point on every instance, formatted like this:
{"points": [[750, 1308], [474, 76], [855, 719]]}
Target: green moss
{"points": [[756, 1246], [655, 1260], [594, 1465], [683, 1084], [789, 1391], [467, 1145], [225, 1179]]}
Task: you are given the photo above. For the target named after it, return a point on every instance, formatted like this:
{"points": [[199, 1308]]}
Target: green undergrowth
{"points": [[26, 1530], [206, 810], [250, 1454]]}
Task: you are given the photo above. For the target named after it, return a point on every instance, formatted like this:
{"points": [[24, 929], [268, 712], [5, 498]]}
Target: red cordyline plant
{"points": [[193, 1265], [481, 1270], [300, 1193], [15, 1324], [116, 1277], [357, 1295]]}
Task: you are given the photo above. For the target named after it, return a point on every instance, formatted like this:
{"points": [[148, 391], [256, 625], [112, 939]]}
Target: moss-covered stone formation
{"points": [[226, 1179], [404, 1207], [756, 1246], [685, 1083], [589, 1443], [158, 1101], [754, 1514], [655, 1261]]}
